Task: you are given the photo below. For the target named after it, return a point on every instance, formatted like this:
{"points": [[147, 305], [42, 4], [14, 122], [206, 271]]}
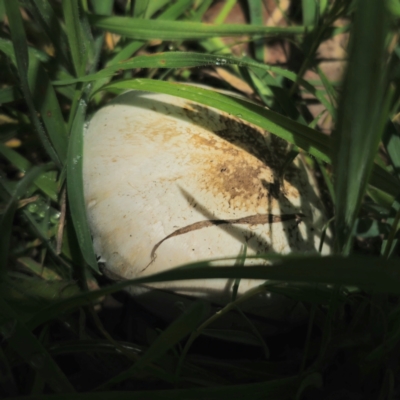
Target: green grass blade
{"points": [[42, 12], [75, 35], [31, 350], [175, 10], [9, 94], [7, 217], [155, 5], [383, 180], [306, 138], [377, 274], [75, 187], [359, 127], [391, 141], [22, 60], [191, 59], [43, 97], [7, 381], [141, 29], [139, 8], [6, 46], [45, 100], [178, 330], [46, 185], [103, 7], [310, 12], [256, 18], [273, 390]]}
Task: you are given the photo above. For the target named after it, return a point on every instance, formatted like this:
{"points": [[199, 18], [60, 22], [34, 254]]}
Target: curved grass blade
{"points": [[308, 139], [75, 187], [191, 59], [377, 274], [142, 29]]}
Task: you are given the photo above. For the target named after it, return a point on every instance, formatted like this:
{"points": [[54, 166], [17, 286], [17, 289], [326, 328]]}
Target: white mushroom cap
{"points": [[168, 182]]}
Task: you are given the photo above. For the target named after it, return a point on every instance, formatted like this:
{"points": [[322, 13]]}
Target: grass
{"points": [[59, 62]]}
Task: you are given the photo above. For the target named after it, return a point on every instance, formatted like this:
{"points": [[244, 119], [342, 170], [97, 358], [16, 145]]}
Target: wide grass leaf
{"points": [[377, 274], [141, 29], [360, 116]]}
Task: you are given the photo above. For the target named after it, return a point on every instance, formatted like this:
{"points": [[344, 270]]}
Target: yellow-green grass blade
{"points": [[178, 330], [376, 274], [22, 61], [308, 139], [141, 29], [24, 343], [360, 116], [75, 186]]}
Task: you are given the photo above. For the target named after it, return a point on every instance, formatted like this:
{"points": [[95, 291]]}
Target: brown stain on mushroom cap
{"points": [[236, 161]]}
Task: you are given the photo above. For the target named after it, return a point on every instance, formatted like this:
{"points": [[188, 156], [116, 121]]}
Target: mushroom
{"points": [[168, 181]]}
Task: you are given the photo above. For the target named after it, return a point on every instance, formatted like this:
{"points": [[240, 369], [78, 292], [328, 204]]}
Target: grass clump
{"points": [[60, 61]]}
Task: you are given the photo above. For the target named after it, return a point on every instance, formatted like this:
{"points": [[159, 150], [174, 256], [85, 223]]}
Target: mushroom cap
{"points": [[168, 181]]}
